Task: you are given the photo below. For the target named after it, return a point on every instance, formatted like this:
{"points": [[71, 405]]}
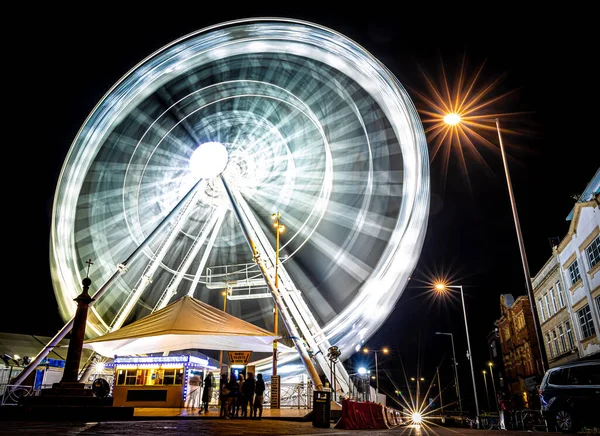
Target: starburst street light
{"points": [[461, 115], [457, 115], [443, 287], [452, 119], [524, 261]]}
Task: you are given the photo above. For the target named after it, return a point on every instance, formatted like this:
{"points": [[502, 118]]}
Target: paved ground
{"points": [[230, 427]]}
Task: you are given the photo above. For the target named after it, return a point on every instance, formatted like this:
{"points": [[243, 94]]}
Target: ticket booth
{"points": [[238, 363], [158, 381]]}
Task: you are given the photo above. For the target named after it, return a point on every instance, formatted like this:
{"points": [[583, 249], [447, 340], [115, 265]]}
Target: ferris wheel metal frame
{"points": [[383, 283]]}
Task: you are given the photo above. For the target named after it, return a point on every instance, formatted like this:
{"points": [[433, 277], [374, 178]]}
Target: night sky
{"points": [[64, 61]]}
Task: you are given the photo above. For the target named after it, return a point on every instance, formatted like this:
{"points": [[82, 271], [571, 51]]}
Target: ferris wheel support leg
{"points": [[308, 364], [120, 269]]}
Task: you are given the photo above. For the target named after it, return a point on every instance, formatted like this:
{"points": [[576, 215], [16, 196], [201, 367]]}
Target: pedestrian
{"points": [[259, 390], [192, 400], [248, 394], [207, 391], [240, 400], [224, 395], [234, 389]]}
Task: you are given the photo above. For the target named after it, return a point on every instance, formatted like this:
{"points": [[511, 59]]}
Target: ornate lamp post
{"points": [[279, 228]]}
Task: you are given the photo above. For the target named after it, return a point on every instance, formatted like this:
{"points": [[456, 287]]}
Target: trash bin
{"points": [[321, 409]]}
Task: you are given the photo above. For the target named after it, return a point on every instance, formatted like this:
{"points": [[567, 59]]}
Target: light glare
{"points": [[417, 418], [452, 119], [209, 160]]}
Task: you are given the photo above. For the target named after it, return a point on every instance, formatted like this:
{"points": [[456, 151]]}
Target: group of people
{"points": [[242, 396]]}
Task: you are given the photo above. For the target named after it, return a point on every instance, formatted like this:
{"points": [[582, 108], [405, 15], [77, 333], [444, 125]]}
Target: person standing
{"points": [[240, 401], [224, 395], [233, 386], [248, 394], [259, 390], [207, 391]]}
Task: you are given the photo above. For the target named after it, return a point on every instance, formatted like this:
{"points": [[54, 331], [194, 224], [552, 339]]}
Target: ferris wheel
{"points": [[308, 125]]}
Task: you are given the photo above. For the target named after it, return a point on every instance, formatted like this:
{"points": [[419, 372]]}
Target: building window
{"points": [[574, 275], [570, 335], [593, 251], [554, 306], [541, 308], [561, 334], [549, 345], [597, 300], [555, 341], [559, 291], [547, 305], [585, 321]]}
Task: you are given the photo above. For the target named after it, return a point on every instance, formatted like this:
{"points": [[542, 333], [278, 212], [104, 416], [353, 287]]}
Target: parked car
{"points": [[570, 396]]}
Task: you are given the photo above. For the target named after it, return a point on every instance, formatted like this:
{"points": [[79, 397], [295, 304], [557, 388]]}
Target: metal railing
{"points": [[10, 394], [292, 395]]}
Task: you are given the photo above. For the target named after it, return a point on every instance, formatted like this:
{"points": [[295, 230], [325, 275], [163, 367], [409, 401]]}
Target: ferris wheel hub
{"points": [[209, 160]]}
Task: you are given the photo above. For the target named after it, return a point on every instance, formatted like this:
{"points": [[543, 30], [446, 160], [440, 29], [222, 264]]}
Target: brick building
{"points": [[520, 352]]}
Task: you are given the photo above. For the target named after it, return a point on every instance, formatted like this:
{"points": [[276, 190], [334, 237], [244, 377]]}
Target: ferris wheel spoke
{"points": [[209, 226], [211, 242], [155, 262], [297, 312]]}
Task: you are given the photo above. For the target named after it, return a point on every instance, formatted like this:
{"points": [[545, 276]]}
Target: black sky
{"points": [[62, 61]]}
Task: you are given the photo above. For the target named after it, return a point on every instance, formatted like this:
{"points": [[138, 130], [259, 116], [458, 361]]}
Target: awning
{"points": [[185, 324]]}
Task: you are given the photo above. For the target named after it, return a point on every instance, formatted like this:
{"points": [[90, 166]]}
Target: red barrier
{"points": [[347, 419], [366, 416], [378, 416]]}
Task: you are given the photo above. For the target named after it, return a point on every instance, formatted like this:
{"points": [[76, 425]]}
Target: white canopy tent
{"points": [[185, 324]]}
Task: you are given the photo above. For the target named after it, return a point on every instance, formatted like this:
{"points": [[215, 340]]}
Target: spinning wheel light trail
{"points": [[312, 126]]}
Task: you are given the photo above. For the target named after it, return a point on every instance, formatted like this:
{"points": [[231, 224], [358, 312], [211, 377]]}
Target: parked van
{"points": [[570, 396]]}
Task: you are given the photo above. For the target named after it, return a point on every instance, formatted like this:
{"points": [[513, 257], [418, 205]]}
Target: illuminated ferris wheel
{"points": [[311, 126]]}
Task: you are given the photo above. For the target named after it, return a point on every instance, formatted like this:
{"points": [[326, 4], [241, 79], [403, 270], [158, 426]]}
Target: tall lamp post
{"points": [[384, 350], [487, 393], [536, 321], [418, 380], [279, 228], [490, 364], [455, 370], [440, 391], [453, 119], [224, 293], [441, 287]]}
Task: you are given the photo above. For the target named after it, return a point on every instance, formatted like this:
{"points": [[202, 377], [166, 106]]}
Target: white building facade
{"points": [[555, 313], [579, 258]]}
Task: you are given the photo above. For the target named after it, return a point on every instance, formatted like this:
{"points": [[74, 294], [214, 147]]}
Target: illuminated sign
{"points": [[239, 357]]}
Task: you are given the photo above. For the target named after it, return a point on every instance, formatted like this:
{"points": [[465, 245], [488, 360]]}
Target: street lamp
{"points": [[224, 293], [487, 394], [279, 228], [364, 373], [440, 391], [442, 287], [384, 350], [490, 364], [455, 370], [453, 119], [536, 321]]}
